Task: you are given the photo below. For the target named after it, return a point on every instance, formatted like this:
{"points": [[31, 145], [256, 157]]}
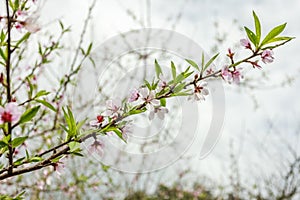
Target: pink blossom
{"points": [[126, 130], [21, 13], [162, 84], [226, 74], [11, 113], [149, 98], [97, 122], [267, 56], [97, 147], [134, 95], [246, 43], [236, 76], [160, 111], [113, 108], [31, 25], [200, 92], [58, 167]]}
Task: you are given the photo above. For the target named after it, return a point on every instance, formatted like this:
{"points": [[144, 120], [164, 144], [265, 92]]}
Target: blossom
{"points": [[246, 43], [113, 108], [11, 113], [267, 56], [209, 71], [97, 122], [149, 98], [21, 13], [230, 53], [162, 84], [125, 130], [255, 64], [134, 95], [97, 147], [160, 111], [236, 76], [226, 74], [200, 92], [58, 167], [29, 24]]}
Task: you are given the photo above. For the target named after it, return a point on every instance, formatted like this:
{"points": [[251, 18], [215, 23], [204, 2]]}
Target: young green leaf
{"points": [[29, 114], [193, 64], [134, 111], [24, 38], [257, 27], [36, 159], [2, 54], [163, 102], [89, 49], [278, 39], [18, 141], [157, 69], [47, 104], [210, 61], [41, 93], [2, 144], [251, 36], [173, 70], [273, 33], [202, 61]]}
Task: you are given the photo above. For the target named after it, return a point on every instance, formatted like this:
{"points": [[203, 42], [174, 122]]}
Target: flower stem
{"points": [[10, 149]]}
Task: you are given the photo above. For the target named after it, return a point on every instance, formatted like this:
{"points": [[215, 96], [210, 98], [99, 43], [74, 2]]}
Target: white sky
{"points": [[248, 128]]}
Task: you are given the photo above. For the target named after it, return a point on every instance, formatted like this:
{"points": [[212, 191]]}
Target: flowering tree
{"points": [[30, 115]]}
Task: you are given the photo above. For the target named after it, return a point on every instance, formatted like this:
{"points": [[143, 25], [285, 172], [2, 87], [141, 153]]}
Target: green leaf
{"points": [[193, 64], [47, 104], [257, 27], [181, 94], [72, 128], [179, 88], [61, 25], [17, 4], [210, 61], [105, 167], [25, 37], [278, 39], [2, 144], [19, 161], [157, 69], [116, 131], [29, 114], [18, 141], [163, 102], [134, 111], [36, 159], [147, 84], [273, 33], [89, 49], [41, 93], [179, 78], [2, 54], [251, 36], [74, 146], [173, 70]]}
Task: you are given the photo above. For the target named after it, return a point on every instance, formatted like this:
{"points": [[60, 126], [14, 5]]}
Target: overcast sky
{"points": [[247, 126]]}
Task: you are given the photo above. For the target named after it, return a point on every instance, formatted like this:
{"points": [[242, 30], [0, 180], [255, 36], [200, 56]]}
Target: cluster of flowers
{"points": [[234, 75], [23, 20]]}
